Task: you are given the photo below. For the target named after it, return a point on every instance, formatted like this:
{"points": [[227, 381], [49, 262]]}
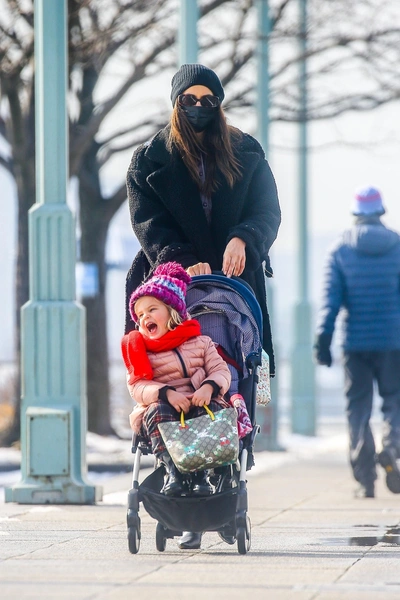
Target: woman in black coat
{"points": [[201, 193]]}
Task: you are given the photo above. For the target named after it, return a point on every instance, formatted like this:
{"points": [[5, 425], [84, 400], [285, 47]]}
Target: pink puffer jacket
{"points": [[202, 362]]}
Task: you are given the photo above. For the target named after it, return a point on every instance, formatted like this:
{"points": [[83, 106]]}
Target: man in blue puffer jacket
{"points": [[362, 280]]}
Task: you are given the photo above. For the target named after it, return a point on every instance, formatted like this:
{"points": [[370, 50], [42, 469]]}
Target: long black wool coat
{"points": [[170, 223]]}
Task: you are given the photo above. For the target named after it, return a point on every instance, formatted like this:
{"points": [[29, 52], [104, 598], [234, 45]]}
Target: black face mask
{"points": [[199, 116]]}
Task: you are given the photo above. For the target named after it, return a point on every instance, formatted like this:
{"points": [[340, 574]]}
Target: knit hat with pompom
{"points": [[368, 201], [168, 284]]}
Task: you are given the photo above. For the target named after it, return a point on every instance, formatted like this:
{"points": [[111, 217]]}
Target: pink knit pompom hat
{"points": [[168, 284]]}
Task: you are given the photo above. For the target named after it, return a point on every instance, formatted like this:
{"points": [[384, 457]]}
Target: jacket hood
{"points": [[371, 238]]}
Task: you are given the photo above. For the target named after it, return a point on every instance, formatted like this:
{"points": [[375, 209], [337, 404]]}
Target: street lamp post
{"points": [[303, 371], [188, 46], [53, 403], [267, 417]]}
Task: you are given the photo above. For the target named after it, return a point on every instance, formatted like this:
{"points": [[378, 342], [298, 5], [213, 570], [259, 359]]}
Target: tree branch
{"points": [[122, 132], [81, 141], [278, 13]]}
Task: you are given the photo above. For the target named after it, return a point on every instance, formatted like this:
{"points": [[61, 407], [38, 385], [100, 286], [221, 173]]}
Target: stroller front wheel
{"points": [[161, 540], [243, 536], [133, 522], [133, 540]]}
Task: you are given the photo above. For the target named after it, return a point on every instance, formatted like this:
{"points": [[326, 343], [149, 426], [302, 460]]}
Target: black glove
{"points": [[322, 352]]}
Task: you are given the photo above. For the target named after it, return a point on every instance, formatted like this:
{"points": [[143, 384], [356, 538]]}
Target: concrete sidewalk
{"points": [[311, 540]]}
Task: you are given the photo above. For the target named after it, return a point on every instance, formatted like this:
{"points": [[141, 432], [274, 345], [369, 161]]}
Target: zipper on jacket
{"points": [[179, 355]]}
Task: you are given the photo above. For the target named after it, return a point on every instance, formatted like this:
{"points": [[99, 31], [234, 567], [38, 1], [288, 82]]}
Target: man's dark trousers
{"points": [[361, 370]]}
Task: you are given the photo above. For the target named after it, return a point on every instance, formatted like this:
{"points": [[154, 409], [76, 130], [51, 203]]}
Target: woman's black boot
{"points": [[200, 484], [174, 485]]}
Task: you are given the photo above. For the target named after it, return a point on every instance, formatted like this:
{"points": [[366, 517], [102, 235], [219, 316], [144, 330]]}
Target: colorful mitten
{"points": [[243, 419]]}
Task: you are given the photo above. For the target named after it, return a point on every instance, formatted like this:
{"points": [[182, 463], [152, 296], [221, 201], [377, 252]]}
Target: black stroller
{"points": [[230, 314]]}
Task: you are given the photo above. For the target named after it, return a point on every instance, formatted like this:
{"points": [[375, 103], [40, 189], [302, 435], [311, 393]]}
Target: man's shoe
{"points": [[200, 484], [190, 540], [387, 459], [365, 491]]}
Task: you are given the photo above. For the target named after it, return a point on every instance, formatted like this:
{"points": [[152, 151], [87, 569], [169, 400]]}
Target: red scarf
{"points": [[135, 347]]}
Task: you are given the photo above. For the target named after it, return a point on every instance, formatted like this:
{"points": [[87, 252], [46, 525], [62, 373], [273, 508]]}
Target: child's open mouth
{"points": [[151, 327]]}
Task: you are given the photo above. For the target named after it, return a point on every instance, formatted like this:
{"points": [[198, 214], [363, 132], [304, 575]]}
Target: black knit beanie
{"points": [[194, 74]]}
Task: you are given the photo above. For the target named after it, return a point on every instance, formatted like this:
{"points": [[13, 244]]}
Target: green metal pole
{"points": [[267, 417], [188, 46], [264, 30], [53, 403], [303, 371]]}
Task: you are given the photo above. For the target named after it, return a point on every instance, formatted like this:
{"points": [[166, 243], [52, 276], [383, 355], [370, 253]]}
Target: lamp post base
{"points": [[59, 490]]}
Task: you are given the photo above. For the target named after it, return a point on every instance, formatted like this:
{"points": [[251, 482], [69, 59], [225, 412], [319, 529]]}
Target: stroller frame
{"points": [[225, 511]]}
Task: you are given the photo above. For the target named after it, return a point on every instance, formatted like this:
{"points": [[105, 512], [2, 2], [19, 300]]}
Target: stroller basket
{"points": [[207, 513]]}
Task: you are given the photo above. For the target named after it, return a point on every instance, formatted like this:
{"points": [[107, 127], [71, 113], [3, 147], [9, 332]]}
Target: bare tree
{"points": [[114, 45]]}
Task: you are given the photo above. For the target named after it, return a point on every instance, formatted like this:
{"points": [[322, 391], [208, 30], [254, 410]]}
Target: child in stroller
{"points": [[171, 368], [149, 355]]}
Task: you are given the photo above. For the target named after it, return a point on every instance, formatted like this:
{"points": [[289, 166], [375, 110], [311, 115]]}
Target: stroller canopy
{"points": [[228, 312]]}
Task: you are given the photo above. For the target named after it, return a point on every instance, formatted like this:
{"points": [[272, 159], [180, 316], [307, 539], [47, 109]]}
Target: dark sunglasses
{"points": [[207, 101]]}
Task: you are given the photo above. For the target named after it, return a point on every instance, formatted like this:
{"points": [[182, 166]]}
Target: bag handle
{"points": [[210, 413]]}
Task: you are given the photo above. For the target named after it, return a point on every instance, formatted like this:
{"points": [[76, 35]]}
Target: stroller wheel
{"points": [[161, 540], [243, 536], [134, 534], [133, 540]]}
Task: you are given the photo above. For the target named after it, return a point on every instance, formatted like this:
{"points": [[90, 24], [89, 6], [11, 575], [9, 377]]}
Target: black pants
{"points": [[361, 370]]}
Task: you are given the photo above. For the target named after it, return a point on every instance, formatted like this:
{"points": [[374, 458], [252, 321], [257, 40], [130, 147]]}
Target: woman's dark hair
{"points": [[215, 144]]}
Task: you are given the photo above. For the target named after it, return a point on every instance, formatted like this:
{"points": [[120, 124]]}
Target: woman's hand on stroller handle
{"points": [[233, 262], [234, 259], [199, 269]]}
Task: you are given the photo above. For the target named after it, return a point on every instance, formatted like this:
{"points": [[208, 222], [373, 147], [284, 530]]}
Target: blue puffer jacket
{"points": [[362, 279]]}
